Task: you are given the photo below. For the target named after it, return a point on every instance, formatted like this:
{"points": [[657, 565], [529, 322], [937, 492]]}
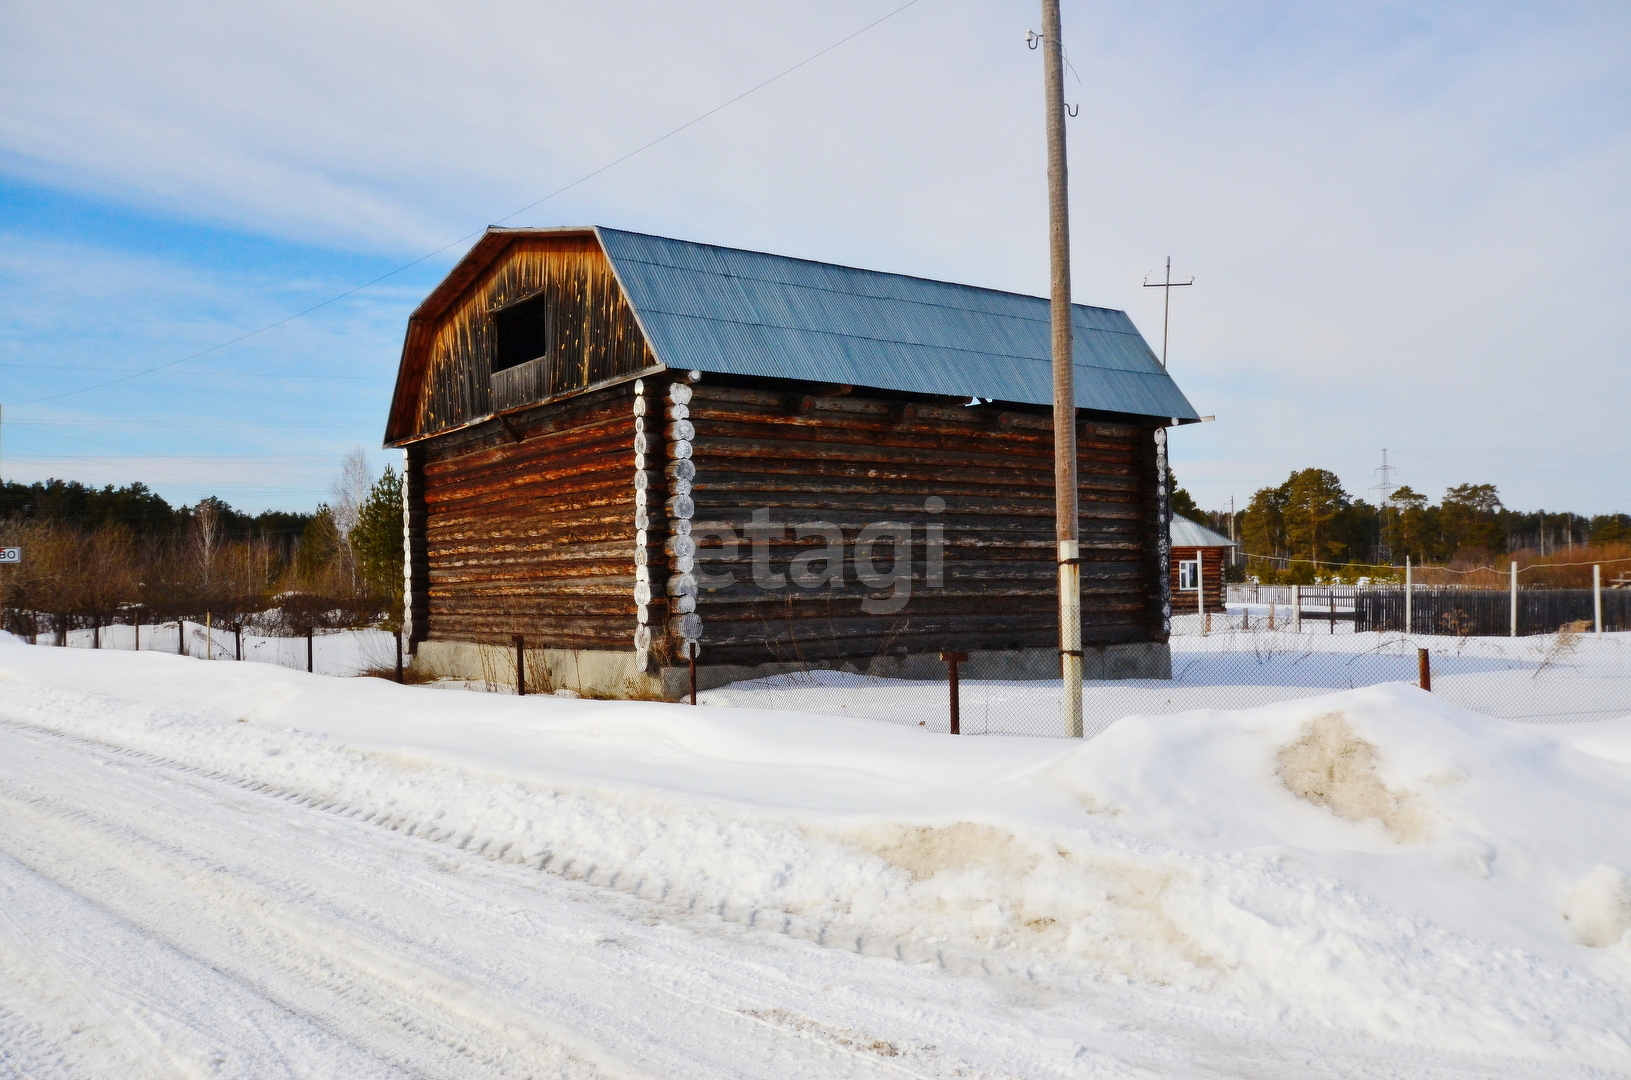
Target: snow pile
{"points": [[1598, 909], [1374, 861]]}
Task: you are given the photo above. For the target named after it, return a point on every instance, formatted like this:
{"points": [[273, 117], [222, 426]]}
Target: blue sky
{"points": [[1407, 220]]}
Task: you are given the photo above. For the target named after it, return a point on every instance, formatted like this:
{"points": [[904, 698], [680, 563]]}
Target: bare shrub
{"points": [[1562, 645]]}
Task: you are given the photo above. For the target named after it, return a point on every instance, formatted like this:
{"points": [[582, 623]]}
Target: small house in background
{"points": [[624, 448], [1199, 556]]}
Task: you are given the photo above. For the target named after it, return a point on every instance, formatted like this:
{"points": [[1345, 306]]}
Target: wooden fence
{"points": [[1486, 612]]}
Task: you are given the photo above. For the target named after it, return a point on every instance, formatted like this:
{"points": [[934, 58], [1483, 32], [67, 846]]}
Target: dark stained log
{"points": [[536, 537], [416, 597]]}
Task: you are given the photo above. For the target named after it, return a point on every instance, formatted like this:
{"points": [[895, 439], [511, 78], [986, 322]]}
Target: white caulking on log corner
{"points": [[642, 534], [684, 624]]}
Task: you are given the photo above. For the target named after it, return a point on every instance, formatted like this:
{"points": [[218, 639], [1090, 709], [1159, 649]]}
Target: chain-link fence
{"points": [[326, 651], [1246, 656]]}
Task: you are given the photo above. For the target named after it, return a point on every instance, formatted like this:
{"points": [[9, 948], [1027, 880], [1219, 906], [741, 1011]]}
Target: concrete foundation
{"points": [[1140, 660], [591, 673], [605, 673]]}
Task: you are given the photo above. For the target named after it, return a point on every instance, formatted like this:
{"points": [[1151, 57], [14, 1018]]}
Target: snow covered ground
{"points": [[241, 870], [1538, 679]]}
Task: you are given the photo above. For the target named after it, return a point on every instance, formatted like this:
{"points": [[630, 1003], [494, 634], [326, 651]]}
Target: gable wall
{"points": [[594, 336], [534, 537]]}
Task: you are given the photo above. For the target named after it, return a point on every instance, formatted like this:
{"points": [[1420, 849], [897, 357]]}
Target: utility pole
{"points": [[1064, 387], [1166, 303]]}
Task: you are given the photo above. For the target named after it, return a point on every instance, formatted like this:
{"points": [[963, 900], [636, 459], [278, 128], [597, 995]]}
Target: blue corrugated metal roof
{"points": [[748, 313]]}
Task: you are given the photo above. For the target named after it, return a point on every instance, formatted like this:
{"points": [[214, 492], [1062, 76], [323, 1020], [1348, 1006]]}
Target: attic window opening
{"points": [[522, 333]]}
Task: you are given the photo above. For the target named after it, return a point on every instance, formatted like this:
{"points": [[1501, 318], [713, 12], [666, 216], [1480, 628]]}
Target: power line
{"points": [[469, 236], [1423, 566], [233, 374], [186, 423]]}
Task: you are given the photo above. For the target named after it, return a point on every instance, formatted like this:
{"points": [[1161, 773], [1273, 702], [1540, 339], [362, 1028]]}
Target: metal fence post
{"points": [[1424, 670], [691, 663], [399, 655], [309, 633], [520, 665], [181, 637], [1514, 598], [1409, 589], [1597, 599], [238, 640], [952, 659], [1200, 589]]}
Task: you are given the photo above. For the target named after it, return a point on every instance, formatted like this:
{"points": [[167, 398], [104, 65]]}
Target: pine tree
{"points": [[376, 541], [1314, 501]]}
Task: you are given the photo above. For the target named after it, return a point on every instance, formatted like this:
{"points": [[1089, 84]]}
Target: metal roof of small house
{"points": [[1186, 533], [740, 312]]}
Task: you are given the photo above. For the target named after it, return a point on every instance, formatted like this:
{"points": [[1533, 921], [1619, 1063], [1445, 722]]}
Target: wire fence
{"points": [[322, 651], [1243, 658], [1249, 655], [1455, 610]]}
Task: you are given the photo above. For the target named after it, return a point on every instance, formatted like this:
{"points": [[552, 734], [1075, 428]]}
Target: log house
{"points": [[1199, 556], [624, 447]]}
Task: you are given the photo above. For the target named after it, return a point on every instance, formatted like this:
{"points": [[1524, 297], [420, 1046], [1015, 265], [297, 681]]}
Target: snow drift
{"points": [[1375, 861]]}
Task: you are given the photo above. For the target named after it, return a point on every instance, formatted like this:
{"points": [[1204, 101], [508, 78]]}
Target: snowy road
{"points": [[234, 870], [161, 922], [218, 931]]}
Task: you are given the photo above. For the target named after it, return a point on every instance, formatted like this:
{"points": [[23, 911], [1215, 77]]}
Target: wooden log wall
{"points": [[1211, 580], [415, 561], [530, 526], [972, 485], [593, 336]]}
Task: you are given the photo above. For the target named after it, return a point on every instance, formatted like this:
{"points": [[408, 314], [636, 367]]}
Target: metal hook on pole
{"points": [[1072, 110]]}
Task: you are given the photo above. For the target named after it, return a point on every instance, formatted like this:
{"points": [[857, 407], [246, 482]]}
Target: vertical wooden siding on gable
{"points": [[854, 460], [593, 337], [535, 537]]}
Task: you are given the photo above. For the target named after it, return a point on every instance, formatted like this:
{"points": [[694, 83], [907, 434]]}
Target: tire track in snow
{"points": [[1151, 1036], [359, 970], [344, 984], [573, 867], [115, 976]]}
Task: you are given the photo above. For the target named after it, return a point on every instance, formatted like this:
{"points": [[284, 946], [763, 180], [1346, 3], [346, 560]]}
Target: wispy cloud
{"points": [[1405, 219]]}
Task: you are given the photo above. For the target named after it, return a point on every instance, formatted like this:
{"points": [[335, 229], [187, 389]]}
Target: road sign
{"points": [[11, 555]]}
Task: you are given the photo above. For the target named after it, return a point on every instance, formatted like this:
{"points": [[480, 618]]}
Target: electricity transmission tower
{"points": [[1384, 505]]}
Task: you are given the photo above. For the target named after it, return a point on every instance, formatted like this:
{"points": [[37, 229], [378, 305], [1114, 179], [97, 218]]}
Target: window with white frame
{"points": [[1189, 575]]}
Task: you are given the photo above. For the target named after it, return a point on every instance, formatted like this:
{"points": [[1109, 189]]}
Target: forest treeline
{"points": [[1310, 528], [96, 556]]}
